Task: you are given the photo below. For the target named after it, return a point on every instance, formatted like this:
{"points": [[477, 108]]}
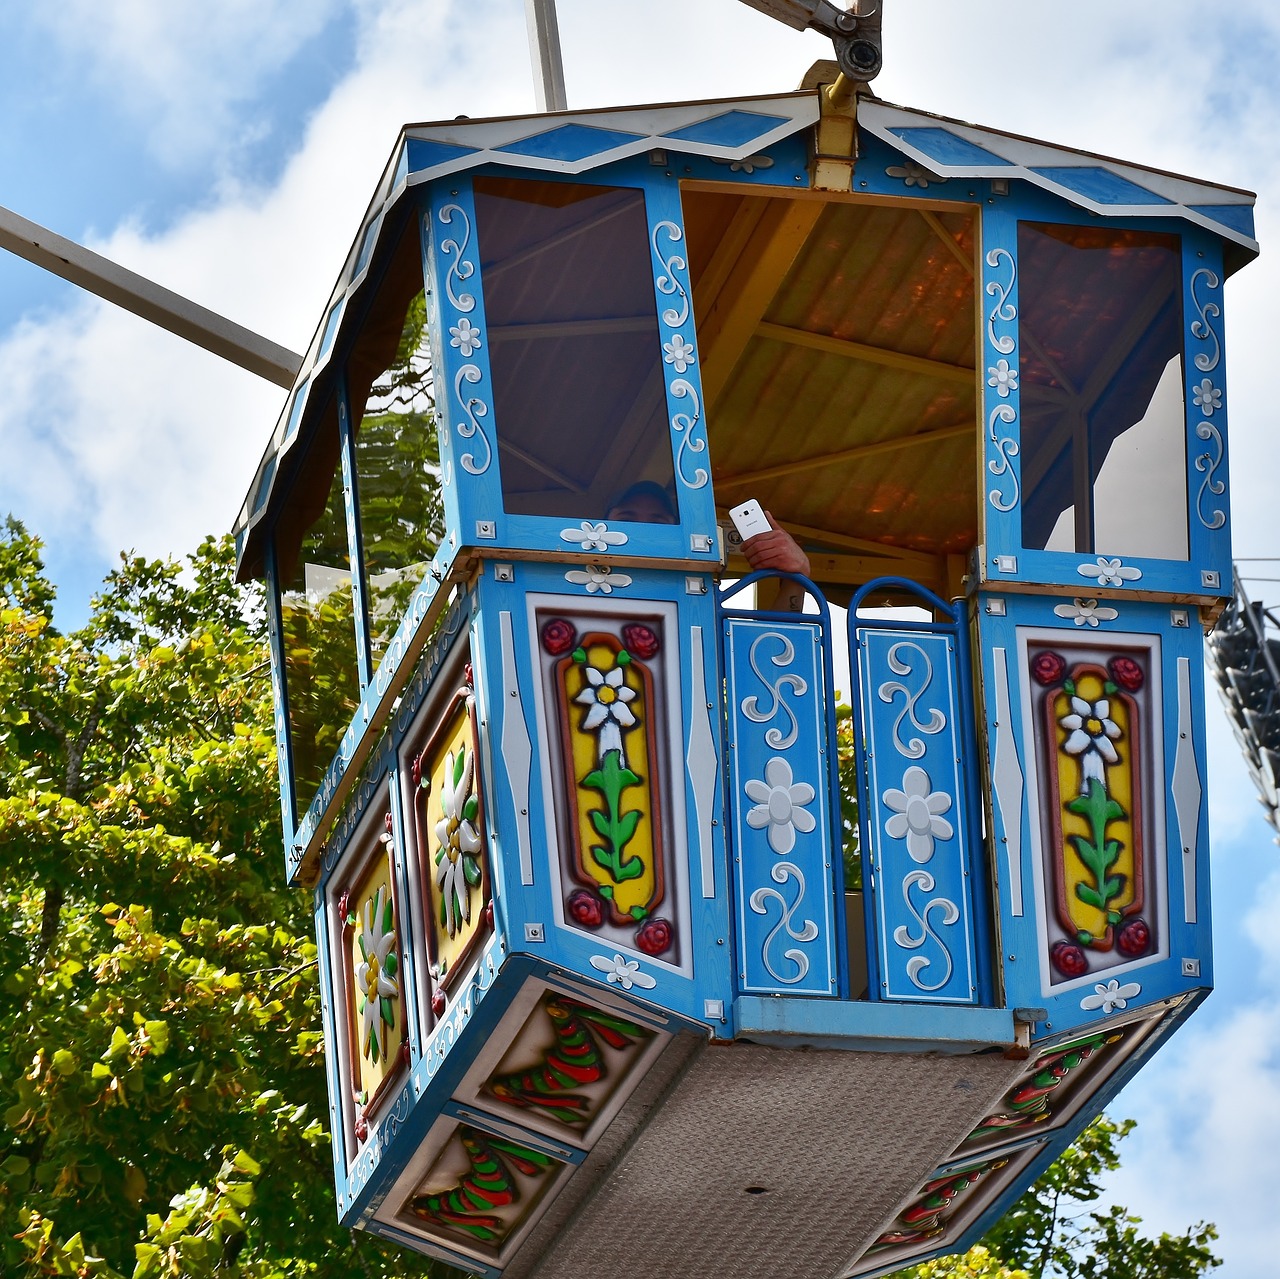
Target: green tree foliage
{"points": [[162, 1094], [1053, 1232]]}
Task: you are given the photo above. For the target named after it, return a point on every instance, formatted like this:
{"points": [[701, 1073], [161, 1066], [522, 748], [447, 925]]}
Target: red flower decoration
{"points": [[1048, 668], [1135, 938], [488, 914], [1127, 673], [654, 936], [586, 909], [640, 640], [362, 1128], [558, 636], [468, 675], [438, 1002], [1069, 959]]}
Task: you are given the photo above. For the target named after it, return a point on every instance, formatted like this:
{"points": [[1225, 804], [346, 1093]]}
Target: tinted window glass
{"points": [[1101, 386], [579, 396]]}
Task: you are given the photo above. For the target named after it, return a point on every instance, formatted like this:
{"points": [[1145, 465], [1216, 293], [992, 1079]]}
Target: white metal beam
{"points": [[544, 48], [147, 299]]}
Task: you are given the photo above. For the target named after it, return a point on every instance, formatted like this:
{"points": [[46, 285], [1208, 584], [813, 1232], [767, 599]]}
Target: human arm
{"points": [[778, 550]]}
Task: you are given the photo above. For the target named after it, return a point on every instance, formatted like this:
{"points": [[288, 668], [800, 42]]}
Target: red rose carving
{"points": [[640, 640], [362, 1128], [1048, 668], [1127, 673], [654, 936], [1068, 959], [1134, 939], [586, 909], [558, 636], [438, 1002]]}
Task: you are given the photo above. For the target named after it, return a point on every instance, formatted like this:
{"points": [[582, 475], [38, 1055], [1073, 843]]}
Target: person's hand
{"points": [[776, 550]]}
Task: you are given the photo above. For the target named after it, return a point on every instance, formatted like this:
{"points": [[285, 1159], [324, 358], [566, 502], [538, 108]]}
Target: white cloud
{"points": [[183, 70]]}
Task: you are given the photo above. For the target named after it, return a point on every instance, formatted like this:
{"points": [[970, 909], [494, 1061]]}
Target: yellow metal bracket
{"points": [[835, 149]]}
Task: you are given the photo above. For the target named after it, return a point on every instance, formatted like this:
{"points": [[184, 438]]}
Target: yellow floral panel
{"points": [[451, 831], [376, 995]]}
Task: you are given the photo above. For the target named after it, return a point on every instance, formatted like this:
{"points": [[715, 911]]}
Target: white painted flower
{"points": [[375, 975], [597, 578], [1086, 612], [914, 175], [680, 354], [1110, 996], [1109, 572], [1206, 397], [1003, 377], [748, 164], [1090, 732], [465, 336], [916, 814], [606, 697], [623, 972], [780, 805], [593, 537], [457, 863]]}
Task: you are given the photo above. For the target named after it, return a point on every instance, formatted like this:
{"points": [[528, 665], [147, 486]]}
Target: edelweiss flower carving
{"points": [[457, 857], [914, 175], [1086, 612], [606, 697], [780, 805], [593, 537], [917, 814], [376, 975], [1090, 732], [1110, 996], [1109, 572], [597, 579], [622, 972]]}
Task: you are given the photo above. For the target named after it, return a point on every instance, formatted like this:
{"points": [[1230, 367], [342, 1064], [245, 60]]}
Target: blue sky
{"points": [[228, 151]]}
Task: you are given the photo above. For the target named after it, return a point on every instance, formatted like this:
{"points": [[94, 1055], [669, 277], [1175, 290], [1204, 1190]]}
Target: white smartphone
{"points": [[749, 519]]}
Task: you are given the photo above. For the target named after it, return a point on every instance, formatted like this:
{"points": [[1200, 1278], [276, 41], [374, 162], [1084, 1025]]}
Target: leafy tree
{"points": [[161, 1088]]}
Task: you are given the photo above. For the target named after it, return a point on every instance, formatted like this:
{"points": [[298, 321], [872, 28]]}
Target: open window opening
{"points": [[1104, 455]]}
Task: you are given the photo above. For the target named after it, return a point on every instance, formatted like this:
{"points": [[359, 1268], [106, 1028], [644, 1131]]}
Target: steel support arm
{"points": [[147, 299]]}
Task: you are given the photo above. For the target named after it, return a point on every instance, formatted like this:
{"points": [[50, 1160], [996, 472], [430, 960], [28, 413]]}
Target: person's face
{"points": [[642, 508]]}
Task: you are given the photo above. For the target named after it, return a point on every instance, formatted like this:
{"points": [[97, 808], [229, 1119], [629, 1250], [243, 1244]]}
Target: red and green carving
{"points": [[575, 1060], [491, 1200], [928, 1215], [1031, 1103]]}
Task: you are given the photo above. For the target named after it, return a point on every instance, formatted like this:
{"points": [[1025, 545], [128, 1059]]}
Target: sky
{"points": [[228, 151]]}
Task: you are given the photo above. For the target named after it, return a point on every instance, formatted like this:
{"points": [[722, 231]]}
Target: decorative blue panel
{"points": [[426, 153], [570, 142], [918, 814], [945, 147], [1101, 185], [730, 129], [783, 815], [1088, 702], [1239, 217]]}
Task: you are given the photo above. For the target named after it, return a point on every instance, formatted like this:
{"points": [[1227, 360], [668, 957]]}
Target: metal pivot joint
{"points": [[856, 32]]}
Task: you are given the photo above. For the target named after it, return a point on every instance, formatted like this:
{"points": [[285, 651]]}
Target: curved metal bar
{"points": [[935, 602]]}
